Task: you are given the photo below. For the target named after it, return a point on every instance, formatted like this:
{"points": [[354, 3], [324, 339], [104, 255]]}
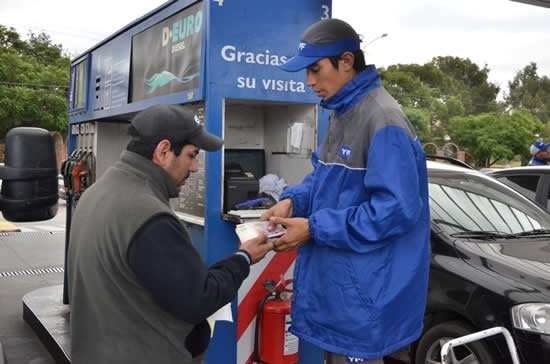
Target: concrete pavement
{"points": [[28, 261]]}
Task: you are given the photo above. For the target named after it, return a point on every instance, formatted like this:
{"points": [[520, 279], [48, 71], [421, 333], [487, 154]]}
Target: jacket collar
{"points": [[353, 91], [158, 177]]}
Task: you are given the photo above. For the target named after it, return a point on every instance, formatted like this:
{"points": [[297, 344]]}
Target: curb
{"points": [[6, 226]]}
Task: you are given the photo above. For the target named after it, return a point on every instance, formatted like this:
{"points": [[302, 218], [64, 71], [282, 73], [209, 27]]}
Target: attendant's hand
{"points": [[257, 248], [282, 208], [297, 233]]}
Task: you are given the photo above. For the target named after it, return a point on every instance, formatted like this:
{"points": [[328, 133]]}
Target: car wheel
{"points": [[429, 346]]}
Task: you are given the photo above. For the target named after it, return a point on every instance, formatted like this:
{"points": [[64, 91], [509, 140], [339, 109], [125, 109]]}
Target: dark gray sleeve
{"points": [[167, 264]]}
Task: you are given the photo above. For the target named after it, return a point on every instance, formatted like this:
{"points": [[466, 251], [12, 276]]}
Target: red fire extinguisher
{"points": [[273, 342]]}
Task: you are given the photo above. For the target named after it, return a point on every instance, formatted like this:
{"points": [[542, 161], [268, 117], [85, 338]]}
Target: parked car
{"points": [[490, 267], [532, 182]]}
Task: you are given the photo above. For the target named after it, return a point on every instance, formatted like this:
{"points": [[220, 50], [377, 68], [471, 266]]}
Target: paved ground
{"points": [[57, 224], [23, 256]]}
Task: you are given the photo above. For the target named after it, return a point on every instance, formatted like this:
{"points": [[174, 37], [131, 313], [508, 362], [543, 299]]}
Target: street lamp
{"points": [[383, 35]]}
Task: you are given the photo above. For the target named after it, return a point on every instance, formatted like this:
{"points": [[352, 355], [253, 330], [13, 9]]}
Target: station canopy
{"points": [[544, 3]]}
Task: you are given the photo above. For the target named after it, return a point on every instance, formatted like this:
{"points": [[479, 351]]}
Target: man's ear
{"points": [[160, 154], [346, 61]]}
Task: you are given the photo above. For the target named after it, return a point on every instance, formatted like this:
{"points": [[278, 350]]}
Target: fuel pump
{"points": [[273, 341], [78, 171]]}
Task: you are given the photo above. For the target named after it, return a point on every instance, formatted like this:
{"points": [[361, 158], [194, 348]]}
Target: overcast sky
{"points": [[503, 34]]}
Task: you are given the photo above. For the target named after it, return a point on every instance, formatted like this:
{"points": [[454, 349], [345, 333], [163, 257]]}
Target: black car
{"points": [[532, 182], [490, 267]]}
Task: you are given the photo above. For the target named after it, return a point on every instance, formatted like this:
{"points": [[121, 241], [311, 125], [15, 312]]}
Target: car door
{"points": [[531, 185], [543, 191]]}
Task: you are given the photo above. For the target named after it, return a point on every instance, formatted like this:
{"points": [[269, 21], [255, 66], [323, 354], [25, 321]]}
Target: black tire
{"points": [[429, 345]]}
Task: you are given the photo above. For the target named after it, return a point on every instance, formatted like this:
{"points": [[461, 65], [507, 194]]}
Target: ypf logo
{"points": [[345, 152], [352, 359], [301, 45]]}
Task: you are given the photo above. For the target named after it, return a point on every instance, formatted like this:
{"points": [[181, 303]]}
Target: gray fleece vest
{"points": [[113, 318]]}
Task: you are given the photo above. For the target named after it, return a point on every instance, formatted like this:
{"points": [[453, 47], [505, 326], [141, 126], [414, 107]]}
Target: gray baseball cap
{"points": [[176, 123], [325, 38]]}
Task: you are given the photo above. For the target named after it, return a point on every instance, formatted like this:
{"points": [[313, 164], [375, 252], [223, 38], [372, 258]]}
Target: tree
{"points": [[421, 102], [421, 120], [34, 78], [444, 79], [417, 86], [9, 39], [530, 91], [490, 137], [445, 88], [41, 48], [478, 95]]}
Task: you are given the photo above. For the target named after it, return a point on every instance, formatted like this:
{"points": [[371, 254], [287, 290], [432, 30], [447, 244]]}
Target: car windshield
{"points": [[470, 205]]}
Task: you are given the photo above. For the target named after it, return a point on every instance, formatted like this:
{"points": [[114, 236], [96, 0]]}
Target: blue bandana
{"points": [[353, 91]]}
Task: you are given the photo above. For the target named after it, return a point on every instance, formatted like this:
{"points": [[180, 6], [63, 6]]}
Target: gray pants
{"points": [[331, 358]]}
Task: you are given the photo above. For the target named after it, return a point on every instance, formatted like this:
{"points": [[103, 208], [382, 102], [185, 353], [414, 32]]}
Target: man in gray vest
{"points": [[139, 290]]}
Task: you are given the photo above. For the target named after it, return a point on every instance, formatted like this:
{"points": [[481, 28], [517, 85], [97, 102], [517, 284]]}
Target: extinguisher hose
{"points": [[256, 358]]}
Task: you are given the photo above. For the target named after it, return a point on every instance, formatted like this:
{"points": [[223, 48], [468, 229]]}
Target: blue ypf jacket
{"points": [[537, 162], [361, 281]]}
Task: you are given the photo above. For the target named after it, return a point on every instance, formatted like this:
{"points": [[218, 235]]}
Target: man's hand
{"points": [[297, 232], [257, 248], [281, 209]]}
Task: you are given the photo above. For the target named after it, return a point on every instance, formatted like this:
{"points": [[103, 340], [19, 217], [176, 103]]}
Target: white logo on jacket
{"points": [[345, 152]]}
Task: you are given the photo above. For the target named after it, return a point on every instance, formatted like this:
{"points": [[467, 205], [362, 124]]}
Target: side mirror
{"points": [[29, 186]]}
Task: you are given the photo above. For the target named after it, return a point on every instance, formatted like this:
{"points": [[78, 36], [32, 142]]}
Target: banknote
{"points": [[251, 229]]}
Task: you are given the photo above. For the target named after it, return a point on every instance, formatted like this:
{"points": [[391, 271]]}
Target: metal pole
{"points": [[383, 35], [448, 346]]}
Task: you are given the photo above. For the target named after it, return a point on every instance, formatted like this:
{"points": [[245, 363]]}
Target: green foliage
{"points": [[34, 78], [477, 94], [530, 91], [489, 137], [421, 121], [454, 98], [445, 88], [412, 86], [545, 131], [10, 39]]}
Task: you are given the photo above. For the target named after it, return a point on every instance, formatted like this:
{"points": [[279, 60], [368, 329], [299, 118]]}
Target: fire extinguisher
{"points": [[273, 342]]}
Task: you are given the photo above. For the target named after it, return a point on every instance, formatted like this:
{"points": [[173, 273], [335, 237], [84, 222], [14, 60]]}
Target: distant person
{"points": [[540, 153], [361, 219], [139, 290]]}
